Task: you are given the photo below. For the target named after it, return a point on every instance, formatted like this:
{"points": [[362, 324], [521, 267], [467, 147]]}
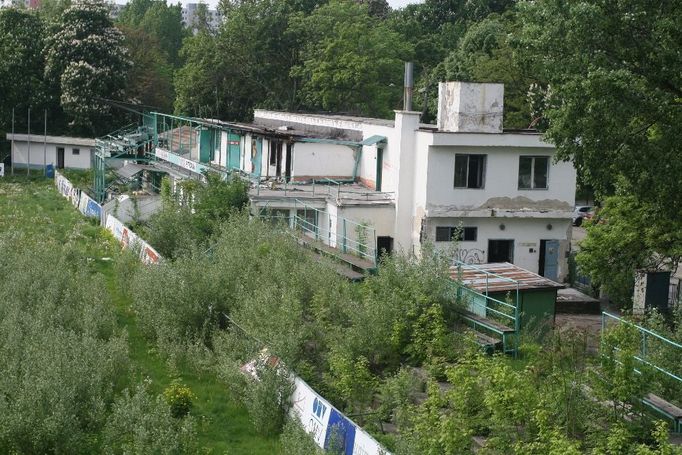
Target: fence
{"points": [[659, 354], [326, 425], [347, 236], [90, 208]]}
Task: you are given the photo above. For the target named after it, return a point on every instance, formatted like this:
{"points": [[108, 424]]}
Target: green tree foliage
{"points": [[434, 28], [141, 423], [150, 80], [245, 65], [159, 20], [353, 62], [22, 35], [627, 237], [86, 59], [295, 440], [267, 399], [485, 54], [61, 357], [613, 98], [190, 220]]}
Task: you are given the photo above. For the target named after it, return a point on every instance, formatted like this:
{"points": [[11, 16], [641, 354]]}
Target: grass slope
{"points": [[32, 207]]}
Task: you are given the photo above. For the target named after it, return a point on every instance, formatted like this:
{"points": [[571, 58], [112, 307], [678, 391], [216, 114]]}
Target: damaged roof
{"points": [[500, 277]]}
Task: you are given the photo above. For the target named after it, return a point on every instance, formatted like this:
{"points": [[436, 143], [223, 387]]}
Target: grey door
{"points": [[549, 259]]}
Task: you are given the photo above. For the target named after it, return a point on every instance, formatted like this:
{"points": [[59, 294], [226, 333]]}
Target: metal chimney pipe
{"points": [[409, 84]]}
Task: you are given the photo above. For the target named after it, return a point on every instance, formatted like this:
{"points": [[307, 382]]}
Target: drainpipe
{"points": [[409, 85], [358, 154]]}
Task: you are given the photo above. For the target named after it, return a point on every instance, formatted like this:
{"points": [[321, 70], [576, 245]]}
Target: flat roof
{"points": [[500, 277], [61, 140]]}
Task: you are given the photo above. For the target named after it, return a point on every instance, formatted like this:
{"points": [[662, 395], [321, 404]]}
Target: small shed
{"points": [[537, 295]]}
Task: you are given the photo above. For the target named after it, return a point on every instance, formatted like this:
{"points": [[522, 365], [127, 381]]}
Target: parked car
{"points": [[582, 213]]}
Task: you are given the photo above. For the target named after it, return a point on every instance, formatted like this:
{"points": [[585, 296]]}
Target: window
{"points": [[469, 171], [449, 233], [76, 151], [533, 172]]}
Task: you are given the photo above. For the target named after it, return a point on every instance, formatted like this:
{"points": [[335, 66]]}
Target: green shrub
{"points": [[295, 440], [179, 397], [141, 423], [267, 400]]}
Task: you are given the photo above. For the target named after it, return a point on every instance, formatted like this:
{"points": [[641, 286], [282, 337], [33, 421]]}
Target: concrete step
{"points": [[355, 261]]}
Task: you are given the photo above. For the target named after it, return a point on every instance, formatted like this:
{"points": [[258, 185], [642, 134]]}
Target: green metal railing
{"points": [[481, 303], [651, 345], [341, 238]]}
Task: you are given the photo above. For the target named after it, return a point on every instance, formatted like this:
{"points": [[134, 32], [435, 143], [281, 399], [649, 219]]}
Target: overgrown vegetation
{"points": [[385, 351], [77, 375]]}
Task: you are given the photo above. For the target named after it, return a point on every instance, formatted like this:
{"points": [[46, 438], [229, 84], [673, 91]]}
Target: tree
{"points": [[615, 91], [485, 54], [150, 79], [165, 23], [613, 102], [22, 65], [245, 65], [352, 61], [86, 59]]}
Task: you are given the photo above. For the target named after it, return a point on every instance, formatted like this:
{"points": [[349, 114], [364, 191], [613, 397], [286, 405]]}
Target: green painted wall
{"points": [[205, 145], [537, 308], [233, 150]]}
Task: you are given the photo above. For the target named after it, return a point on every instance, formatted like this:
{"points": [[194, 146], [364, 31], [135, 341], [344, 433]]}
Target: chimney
{"points": [[409, 84], [468, 107]]}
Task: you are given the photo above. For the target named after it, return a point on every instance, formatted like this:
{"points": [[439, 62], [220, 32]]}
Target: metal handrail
{"points": [[645, 333]]}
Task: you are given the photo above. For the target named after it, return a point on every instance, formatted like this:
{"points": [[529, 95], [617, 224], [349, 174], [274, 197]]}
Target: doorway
{"points": [[384, 245], [287, 164], [380, 166], [501, 251], [549, 259], [60, 157]]}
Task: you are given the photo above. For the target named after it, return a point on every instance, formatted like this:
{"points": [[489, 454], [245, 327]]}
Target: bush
{"points": [[267, 400], [179, 398], [295, 440], [141, 423], [62, 358]]}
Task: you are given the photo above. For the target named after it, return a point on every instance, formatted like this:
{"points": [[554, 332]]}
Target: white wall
{"points": [[526, 233], [123, 207], [322, 160], [501, 180], [380, 217], [21, 155]]}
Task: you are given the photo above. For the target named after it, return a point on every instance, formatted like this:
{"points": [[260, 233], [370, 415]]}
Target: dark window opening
{"points": [[469, 171], [450, 233], [533, 172], [76, 151]]}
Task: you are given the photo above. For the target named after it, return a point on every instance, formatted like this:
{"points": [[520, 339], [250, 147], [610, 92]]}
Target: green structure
{"points": [[503, 302]]}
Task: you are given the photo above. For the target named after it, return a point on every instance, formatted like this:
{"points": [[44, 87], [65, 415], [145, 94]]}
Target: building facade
{"points": [[363, 185], [37, 151]]}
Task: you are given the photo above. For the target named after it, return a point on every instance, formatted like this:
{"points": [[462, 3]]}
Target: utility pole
{"points": [[28, 163], [45, 146], [12, 151]]}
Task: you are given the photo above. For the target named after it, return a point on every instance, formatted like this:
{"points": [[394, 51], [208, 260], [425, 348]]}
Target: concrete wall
{"points": [[501, 181], [21, 155], [469, 107], [123, 207], [322, 160], [526, 233]]}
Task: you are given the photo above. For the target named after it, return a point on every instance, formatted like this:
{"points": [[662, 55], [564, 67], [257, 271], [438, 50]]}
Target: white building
{"points": [[189, 16], [365, 184], [60, 151]]}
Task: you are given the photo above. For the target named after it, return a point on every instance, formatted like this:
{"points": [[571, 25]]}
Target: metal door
{"points": [[551, 270], [60, 157], [233, 155]]}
